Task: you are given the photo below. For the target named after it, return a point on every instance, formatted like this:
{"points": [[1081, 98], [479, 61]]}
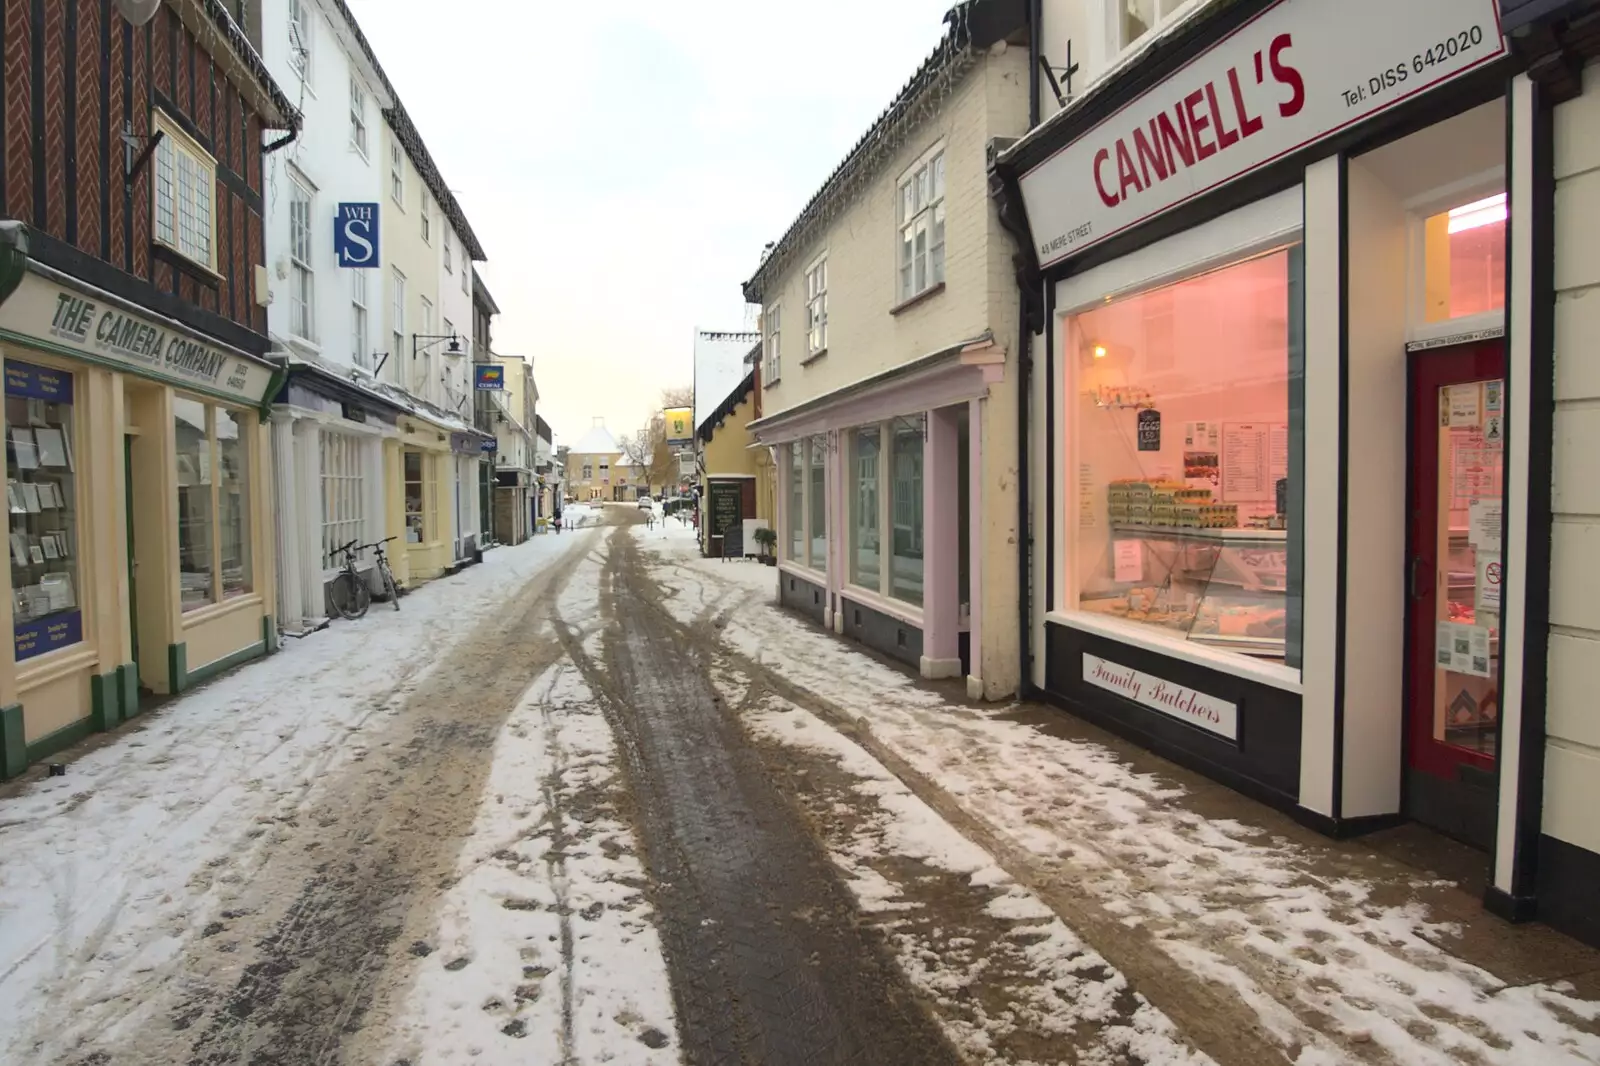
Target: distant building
{"points": [[592, 464]]}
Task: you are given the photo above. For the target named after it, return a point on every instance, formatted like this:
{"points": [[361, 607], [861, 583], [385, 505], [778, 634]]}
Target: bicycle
{"points": [[349, 593], [381, 561]]}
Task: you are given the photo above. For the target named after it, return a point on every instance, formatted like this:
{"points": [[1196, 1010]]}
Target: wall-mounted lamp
{"points": [[1099, 351]]}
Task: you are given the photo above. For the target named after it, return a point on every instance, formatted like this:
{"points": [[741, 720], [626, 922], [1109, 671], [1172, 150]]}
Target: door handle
{"points": [[1415, 580]]}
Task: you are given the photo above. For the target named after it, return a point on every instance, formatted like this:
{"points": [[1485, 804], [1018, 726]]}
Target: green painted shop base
{"points": [[114, 699]]}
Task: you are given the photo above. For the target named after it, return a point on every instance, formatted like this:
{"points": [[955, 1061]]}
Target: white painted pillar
{"points": [[290, 610], [308, 490], [941, 542]]}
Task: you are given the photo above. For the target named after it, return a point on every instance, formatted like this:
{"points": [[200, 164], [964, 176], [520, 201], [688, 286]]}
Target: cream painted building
{"points": [[434, 458], [515, 452], [889, 320]]}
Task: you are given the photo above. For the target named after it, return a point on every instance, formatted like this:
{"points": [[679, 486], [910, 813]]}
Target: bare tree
{"points": [[678, 396]]}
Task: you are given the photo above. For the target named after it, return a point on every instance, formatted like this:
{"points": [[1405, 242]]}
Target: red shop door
{"points": [[1454, 573]]}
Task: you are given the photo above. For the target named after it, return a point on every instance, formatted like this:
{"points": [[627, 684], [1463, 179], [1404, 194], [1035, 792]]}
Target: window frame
{"points": [[302, 270], [397, 173], [1112, 25], [174, 139], [772, 343], [930, 208], [449, 267], [360, 319], [302, 40], [397, 313], [816, 282], [425, 210], [358, 116]]}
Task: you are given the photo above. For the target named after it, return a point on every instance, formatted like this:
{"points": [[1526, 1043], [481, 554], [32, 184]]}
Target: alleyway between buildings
{"points": [[598, 800]]}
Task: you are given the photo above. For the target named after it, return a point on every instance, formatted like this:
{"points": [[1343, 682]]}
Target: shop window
{"points": [[41, 492], [866, 445], [818, 447], [213, 460], [921, 197], [343, 493], [416, 528], [193, 437], [905, 561], [1464, 257], [1184, 510], [797, 502]]}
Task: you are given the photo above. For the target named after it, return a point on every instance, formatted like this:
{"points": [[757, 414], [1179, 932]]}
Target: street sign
{"points": [[355, 236]]}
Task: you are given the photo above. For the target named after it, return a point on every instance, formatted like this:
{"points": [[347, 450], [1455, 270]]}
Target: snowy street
{"points": [[598, 800]]}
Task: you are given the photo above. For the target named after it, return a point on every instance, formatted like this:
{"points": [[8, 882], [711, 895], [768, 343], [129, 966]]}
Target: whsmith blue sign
{"points": [[355, 235]]}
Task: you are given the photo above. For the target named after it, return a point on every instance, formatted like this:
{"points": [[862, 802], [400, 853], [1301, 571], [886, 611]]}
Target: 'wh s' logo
{"points": [[355, 235]]}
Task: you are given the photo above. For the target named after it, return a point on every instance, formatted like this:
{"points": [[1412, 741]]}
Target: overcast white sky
{"points": [[623, 163]]}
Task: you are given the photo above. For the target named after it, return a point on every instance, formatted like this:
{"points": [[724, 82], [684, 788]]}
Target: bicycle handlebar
{"points": [[342, 549]]}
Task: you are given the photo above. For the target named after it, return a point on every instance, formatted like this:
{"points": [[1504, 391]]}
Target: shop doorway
{"points": [[1454, 568]]}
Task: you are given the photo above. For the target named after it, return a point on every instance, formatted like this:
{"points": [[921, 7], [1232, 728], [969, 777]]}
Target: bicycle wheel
{"points": [[349, 596], [390, 587]]}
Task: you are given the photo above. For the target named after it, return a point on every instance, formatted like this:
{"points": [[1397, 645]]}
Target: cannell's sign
{"points": [[68, 319], [1297, 73]]}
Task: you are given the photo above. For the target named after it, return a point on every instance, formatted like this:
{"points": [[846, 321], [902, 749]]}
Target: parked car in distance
{"points": [[646, 502]]}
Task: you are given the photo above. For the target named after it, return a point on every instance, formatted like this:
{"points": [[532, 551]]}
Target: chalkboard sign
{"points": [[733, 541], [724, 509], [1149, 431]]}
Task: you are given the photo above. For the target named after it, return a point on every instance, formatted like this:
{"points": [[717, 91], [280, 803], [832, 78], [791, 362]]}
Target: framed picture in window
{"points": [[19, 548], [52, 446], [36, 553], [14, 499], [30, 498], [47, 544], [23, 447]]}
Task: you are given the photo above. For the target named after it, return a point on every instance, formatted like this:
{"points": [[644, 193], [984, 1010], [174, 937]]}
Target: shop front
{"points": [[328, 438], [138, 485], [880, 525], [467, 448], [1269, 431]]}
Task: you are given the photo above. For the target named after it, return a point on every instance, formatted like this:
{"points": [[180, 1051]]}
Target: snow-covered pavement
{"points": [[1247, 939]]}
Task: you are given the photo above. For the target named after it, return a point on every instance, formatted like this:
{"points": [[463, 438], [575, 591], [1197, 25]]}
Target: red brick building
{"points": [[134, 341]]}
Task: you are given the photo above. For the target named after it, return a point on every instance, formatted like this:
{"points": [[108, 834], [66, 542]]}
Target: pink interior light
{"points": [[1484, 212]]}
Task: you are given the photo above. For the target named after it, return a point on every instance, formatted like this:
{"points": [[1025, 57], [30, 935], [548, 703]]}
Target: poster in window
{"points": [[52, 447], [1201, 463]]}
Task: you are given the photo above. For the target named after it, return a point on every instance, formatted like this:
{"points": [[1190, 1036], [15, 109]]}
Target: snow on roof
{"points": [[598, 441], [718, 368]]}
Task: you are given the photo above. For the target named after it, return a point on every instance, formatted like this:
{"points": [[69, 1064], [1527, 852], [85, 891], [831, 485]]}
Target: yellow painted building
{"points": [[734, 467], [595, 465], [139, 491]]}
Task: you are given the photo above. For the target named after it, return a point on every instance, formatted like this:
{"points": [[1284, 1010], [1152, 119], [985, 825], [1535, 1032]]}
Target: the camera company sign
{"points": [[1297, 73], [1185, 704], [80, 323]]}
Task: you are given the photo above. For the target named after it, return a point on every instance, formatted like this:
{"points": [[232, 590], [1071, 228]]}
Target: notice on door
{"points": [[1483, 525], [1490, 572], [1464, 406], [1462, 648]]}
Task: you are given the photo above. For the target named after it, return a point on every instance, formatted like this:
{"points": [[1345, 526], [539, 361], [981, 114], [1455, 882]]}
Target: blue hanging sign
{"points": [[37, 382], [355, 235], [489, 444], [488, 377]]}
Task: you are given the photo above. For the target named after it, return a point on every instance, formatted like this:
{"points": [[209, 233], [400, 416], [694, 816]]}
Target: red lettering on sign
{"points": [[1197, 127], [1286, 75], [1110, 199]]}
